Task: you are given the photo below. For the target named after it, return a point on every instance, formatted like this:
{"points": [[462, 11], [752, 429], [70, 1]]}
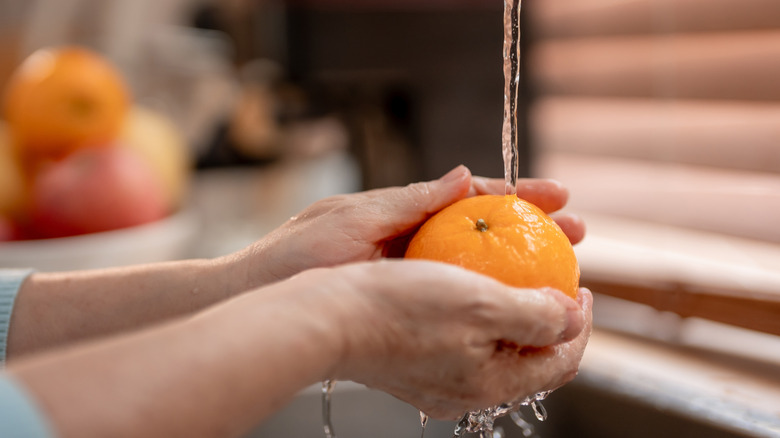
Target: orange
{"points": [[63, 99], [504, 237]]}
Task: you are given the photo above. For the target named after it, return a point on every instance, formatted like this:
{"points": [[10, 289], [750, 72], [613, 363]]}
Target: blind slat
{"points": [[578, 18], [742, 65], [727, 134], [745, 204], [685, 272]]}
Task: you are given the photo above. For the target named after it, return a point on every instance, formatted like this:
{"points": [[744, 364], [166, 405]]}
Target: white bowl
{"points": [[166, 239]]}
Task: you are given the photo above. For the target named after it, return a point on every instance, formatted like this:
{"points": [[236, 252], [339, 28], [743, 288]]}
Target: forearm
{"points": [[214, 375], [56, 308]]}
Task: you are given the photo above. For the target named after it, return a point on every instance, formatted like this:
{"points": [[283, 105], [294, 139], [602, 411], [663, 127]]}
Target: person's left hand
{"points": [[378, 223]]}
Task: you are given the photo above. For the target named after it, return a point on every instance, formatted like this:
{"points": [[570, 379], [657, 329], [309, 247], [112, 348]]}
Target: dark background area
{"points": [[420, 88]]}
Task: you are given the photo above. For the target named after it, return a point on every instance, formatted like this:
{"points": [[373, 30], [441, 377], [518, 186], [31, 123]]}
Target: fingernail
{"points": [[581, 295], [454, 175]]}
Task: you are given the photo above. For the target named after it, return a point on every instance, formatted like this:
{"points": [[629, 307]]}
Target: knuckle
{"points": [[419, 189], [338, 205]]}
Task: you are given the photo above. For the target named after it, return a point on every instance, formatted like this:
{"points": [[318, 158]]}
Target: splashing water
{"points": [[327, 390], [483, 421], [509, 133], [539, 410]]}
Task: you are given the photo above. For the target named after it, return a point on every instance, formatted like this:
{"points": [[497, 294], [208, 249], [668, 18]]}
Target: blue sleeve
{"points": [[10, 282], [19, 415]]}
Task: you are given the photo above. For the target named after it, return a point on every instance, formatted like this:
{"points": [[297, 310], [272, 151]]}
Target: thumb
{"points": [[404, 208]]}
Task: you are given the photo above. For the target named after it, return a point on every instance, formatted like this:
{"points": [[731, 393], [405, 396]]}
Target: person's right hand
{"points": [[379, 223], [448, 340]]}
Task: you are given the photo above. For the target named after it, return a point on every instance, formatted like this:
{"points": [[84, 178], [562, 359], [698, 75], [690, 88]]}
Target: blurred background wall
{"points": [[649, 109], [417, 86]]}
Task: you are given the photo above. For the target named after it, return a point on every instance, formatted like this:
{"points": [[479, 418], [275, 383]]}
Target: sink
{"points": [[581, 409]]}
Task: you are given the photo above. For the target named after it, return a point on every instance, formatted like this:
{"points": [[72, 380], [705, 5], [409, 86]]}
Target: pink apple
{"points": [[96, 190], [8, 229]]}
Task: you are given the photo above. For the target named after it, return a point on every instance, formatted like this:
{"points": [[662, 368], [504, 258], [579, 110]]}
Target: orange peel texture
{"points": [[504, 237]]}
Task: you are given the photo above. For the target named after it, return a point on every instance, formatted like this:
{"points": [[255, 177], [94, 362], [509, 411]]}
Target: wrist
{"points": [[262, 263], [352, 312], [309, 315]]}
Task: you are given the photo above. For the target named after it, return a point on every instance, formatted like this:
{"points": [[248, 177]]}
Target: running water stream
{"points": [[327, 391], [509, 132], [482, 421]]}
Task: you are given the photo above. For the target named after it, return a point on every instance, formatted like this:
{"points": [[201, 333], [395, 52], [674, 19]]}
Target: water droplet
{"points": [[542, 395], [539, 410]]}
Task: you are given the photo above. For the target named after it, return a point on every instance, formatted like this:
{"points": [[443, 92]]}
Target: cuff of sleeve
{"points": [[10, 282], [19, 415]]}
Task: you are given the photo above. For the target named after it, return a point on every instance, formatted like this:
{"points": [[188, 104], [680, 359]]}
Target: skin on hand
{"points": [[54, 309], [434, 335], [428, 333], [379, 223], [447, 340]]}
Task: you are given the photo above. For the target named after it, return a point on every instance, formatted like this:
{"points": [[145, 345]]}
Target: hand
{"points": [[448, 340], [379, 223]]}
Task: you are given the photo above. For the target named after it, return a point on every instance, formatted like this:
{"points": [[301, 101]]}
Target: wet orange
{"points": [[64, 99], [504, 237]]}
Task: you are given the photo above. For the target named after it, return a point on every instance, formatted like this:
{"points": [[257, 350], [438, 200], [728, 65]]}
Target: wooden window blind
{"points": [[663, 119]]}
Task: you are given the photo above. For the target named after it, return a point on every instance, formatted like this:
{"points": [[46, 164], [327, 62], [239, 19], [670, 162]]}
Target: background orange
{"points": [[64, 99]]}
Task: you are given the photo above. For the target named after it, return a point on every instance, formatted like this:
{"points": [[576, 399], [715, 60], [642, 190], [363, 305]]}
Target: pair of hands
{"points": [[431, 334], [328, 300]]}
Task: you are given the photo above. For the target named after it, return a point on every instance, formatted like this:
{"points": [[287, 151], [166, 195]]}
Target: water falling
{"points": [[327, 390], [423, 422], [483, 421], [526, 428], [509, 133]]}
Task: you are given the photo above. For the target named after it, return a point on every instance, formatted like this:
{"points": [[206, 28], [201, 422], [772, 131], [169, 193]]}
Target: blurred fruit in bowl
{"points": [[13, 187], [79, 156], [62, 99], [157, 141], [95, 190], [8, 229]]}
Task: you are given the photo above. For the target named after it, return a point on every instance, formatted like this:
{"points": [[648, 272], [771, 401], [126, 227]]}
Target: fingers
{"points": [[561, 366], [517, 373], [537, 370], [547, 194], [542, 317], [405, 207], [572, 226], [440, 330]]}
